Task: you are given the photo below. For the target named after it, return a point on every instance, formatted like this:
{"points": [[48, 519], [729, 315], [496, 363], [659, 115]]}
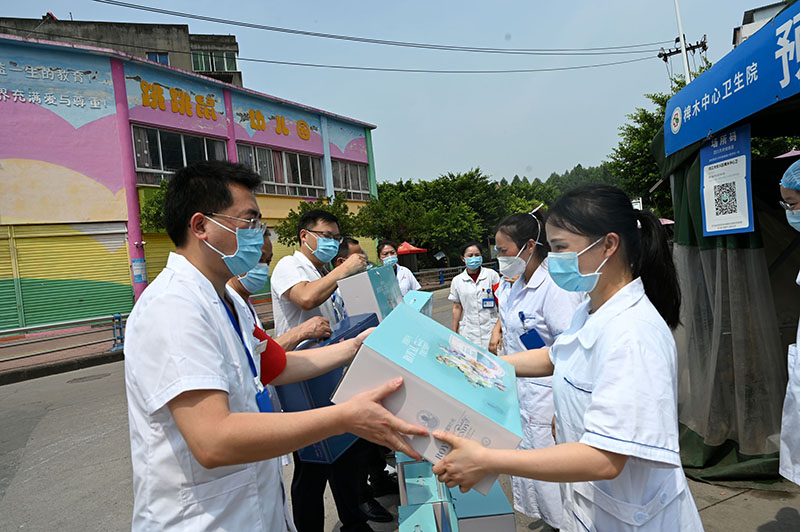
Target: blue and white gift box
{"points": [[373, 291], [421, 301], [450, 384]]}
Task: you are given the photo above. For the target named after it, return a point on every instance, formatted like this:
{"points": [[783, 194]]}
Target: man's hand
{"points": [[355, 263], [464, 465], [316, 327], [364, 416]]}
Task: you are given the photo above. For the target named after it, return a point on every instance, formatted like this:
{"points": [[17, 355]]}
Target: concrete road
{"points": [[65, 462]]}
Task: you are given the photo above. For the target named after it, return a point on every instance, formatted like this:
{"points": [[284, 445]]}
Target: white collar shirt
{"points": [[477, 321], [179, 338], [289, 271], [406, 280], [615, 388]]}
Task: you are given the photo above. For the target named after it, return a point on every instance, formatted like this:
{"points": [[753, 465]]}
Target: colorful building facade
{"points": [[88, 134]]}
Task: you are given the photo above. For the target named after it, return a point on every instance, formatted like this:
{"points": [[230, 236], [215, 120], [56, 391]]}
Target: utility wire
{"points": [[602, 50], [348, 67]]}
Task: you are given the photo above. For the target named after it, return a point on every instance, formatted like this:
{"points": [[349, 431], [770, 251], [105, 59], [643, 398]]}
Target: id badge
{"points": [[531, 340], [264, 401], [487, 302]]}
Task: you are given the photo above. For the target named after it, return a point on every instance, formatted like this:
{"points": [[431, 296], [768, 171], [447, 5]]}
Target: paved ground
{"points": [[65, 462]]}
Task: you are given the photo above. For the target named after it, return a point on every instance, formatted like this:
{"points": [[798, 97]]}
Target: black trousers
{"points": [[308, 490]]}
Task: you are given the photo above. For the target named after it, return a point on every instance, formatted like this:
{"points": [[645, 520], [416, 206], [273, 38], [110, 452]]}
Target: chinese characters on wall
{"points": [[180, 101], [67, 91], [259, 123]]}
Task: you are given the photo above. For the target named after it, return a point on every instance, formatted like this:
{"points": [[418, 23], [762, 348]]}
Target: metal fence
{"points": [[15, 343], [24, 342], [433, 277]]}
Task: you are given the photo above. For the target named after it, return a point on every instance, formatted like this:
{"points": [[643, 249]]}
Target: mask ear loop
{"points": [[538, 224]]}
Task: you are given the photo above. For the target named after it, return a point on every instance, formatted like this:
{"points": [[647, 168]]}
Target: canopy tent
{"points": [[732, 358], [406, 249]]}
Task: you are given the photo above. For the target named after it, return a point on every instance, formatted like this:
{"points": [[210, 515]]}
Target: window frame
{"points": [[158, 57], [346, 177], [160, 173]]}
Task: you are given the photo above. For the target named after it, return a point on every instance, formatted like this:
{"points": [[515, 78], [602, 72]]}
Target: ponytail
{"points": [[657, 269], [596, 210]]}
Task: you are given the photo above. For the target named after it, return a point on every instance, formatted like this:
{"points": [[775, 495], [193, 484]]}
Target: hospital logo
{"points": [[675, 122]]}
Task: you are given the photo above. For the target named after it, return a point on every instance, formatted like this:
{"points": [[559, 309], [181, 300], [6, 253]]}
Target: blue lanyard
{"points": [[238, 330]]}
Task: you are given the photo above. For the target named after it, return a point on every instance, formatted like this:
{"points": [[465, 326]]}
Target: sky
{"points": [[527, 124]]}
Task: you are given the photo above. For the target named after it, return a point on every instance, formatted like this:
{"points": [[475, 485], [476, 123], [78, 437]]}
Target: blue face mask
{"points": [[391, 260], [793, 217], [255, 279], [565, 270], [327, 248], [473, 263], [248, 249]]}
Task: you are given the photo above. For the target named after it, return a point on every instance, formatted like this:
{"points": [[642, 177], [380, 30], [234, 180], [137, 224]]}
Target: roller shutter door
{"points": [[70, 272]]}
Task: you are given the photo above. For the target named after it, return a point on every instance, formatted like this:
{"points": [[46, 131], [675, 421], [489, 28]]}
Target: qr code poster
{"points": [[726, 195]]}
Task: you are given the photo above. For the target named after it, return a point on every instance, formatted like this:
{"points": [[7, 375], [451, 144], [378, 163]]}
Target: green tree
{"points": [[152, 210], [287, 228]]}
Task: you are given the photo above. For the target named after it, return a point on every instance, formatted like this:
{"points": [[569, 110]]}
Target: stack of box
{"points": [[373, 291], [316, 392], [450, 384], [420, 301], [427, 505]]}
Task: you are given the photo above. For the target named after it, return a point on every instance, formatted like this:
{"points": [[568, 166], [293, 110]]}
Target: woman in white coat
{"points": [[790, 422], [472, 294], [387, 253], [614, 376], [533, 312]]}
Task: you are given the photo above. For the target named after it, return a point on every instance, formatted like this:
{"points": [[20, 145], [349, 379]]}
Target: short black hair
{"points": [[383, 243], [313, 217], [202, 187], [344, 247], [468, 245]]}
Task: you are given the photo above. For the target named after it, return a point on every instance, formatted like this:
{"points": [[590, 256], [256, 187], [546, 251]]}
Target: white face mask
{"points": [[511, 267]]}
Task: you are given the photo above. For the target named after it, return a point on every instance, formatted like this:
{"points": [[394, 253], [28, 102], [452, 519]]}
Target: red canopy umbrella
{"points": [[792, 153], [406, 248]]}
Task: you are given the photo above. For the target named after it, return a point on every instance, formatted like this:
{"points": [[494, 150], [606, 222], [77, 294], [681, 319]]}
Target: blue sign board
{"points": [[139, 270], [726, 195], [761, 71]]}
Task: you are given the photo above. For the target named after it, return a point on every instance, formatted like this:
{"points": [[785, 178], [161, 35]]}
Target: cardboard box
{"points": [[420, 518], [475, 512], [373, 291], [421, 301], [316, 392], [450, 384], [420, 487]]}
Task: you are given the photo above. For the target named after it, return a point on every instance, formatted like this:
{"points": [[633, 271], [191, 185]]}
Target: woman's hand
{"points": [[464, 465], [496, 340]]}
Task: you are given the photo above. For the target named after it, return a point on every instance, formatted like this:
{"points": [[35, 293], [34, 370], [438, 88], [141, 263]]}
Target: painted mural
{"points": [[347, 141], [160, 97], [60, 148], [261, 121]]}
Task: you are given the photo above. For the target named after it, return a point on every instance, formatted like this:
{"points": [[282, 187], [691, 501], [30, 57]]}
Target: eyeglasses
{"points": [[325, 234], [252, 223], [786, 206]]}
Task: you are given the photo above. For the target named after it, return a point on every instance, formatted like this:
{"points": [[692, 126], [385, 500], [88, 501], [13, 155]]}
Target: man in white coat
{"points": [[202, 450]]}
